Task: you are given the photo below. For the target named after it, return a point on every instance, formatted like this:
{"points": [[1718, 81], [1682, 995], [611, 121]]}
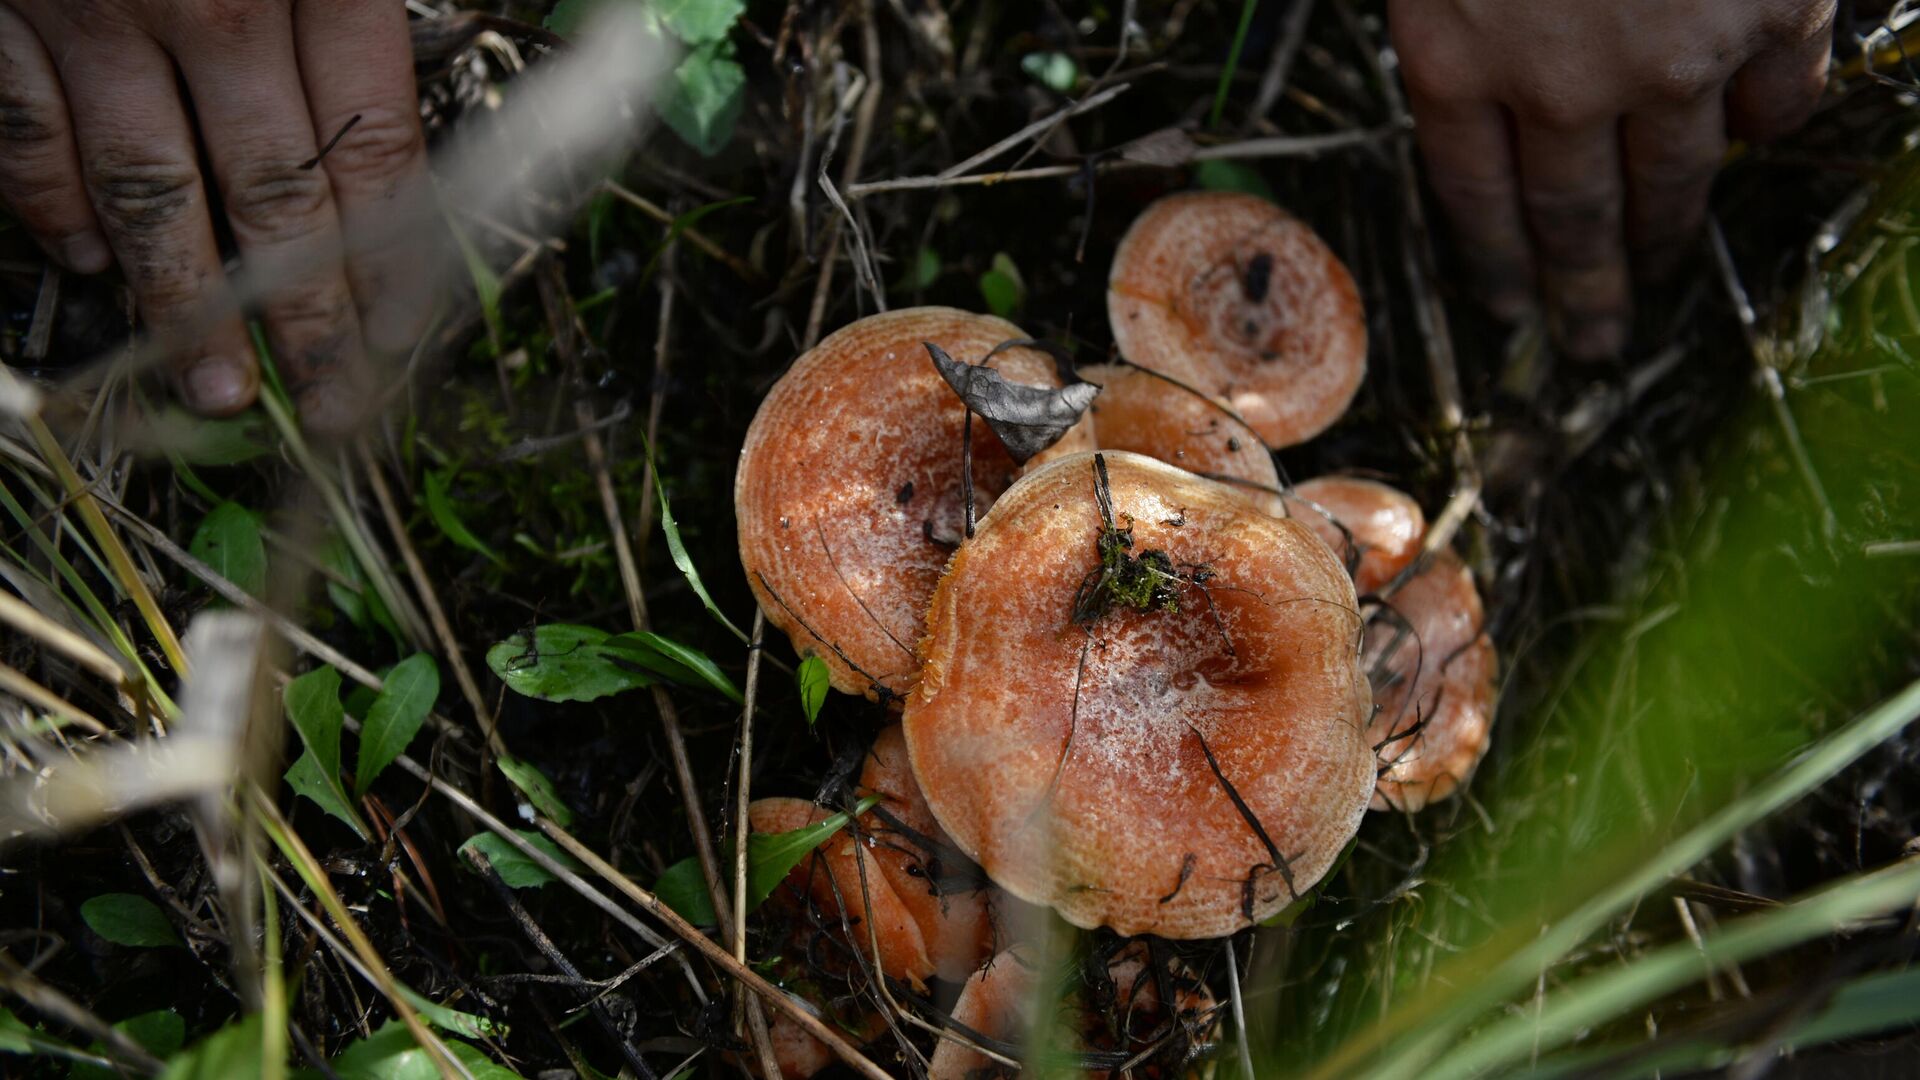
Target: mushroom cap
{"points": [[996, 1000], [1143, 412], [1232, 294], [1384, 525], [1436, 696], [850, 479], [1092, 790], [833, 871], [954, 914]]}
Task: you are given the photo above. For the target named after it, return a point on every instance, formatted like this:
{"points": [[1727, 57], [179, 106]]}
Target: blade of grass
{"points": [[1432, 1020], [678, 550], [1233, 61], [1616, 992], [110, 545]]}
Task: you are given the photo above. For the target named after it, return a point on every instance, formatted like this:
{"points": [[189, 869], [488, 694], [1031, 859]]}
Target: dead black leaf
{"points": [[1028, 419]]}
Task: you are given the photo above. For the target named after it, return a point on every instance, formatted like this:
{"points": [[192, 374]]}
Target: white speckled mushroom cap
{"points": [[1178, 772], [848, 494]]}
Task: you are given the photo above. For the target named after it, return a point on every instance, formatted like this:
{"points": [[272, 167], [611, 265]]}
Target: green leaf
{"points": [[677, 549], [815, 681], [15, 1036], [697, 22], [924, 271], [667, 657], [1053, 70], [313, 704], [126, 919], [391, 1054], [1232, 176], [486, 283], [770, 858], [228, 540], [1002, 287], [405, 698], [537, 788], [682, 888], [162, 1032], [198, 440], [440, 508], [564, 663], [513, 865], [702, 101], [568, 16], [361, 604], [231, 1053]]}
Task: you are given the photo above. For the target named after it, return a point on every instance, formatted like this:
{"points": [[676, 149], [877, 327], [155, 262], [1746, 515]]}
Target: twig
{"points": [[430, 600], [850, 172], [687, 932], [559, 959], [1275, 146], [688, 233], [663, 703], [44, 999], [1085, 105], [657, 398], [1239, 1013], [756, 1019], [1279, 65]]}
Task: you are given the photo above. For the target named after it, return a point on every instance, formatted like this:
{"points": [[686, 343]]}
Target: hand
{"points": [[1561, 134], [99, 102]]}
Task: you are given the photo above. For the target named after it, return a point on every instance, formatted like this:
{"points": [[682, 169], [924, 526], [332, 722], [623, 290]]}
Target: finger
{"points": [[245, 82], [1470, 166], [358, 60], [39, 169], [137, 155], [1571, 189], [1672, 153], [1778, 90]]}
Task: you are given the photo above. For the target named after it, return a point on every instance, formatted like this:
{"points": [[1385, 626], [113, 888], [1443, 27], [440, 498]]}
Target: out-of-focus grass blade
{"points": [[1611, 993], [678, 550]]}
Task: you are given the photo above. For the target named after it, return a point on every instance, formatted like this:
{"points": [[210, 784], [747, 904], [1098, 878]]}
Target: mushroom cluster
{"points": [[1141, 679]]}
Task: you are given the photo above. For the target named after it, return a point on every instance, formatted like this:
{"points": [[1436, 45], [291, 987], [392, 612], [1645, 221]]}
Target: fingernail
{"points": [[86, 253], [218, 384]]}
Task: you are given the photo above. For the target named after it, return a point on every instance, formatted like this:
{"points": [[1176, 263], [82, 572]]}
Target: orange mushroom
{"points": [[918, 860], [1230, 293], [850, 495], [1149, 414], [1359, 519], [1433, 672], [1118, 1015], [1141, 700]]}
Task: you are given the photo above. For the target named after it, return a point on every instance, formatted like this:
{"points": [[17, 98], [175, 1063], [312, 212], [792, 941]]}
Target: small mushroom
{"points": [[936, 883], [1433, 672], [1149, 414], [849, 494], [1119, 1013], [1378, 525], [1232, 294], [1141, 700]]}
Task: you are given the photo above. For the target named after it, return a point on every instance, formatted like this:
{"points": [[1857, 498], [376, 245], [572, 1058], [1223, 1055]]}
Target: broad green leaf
{"points": [[678, 550], [313, 704], [924, 271], [440, 508], [1002, 287], [391, 1054], [512, 864], [680, 663], [126, 919], [361, 604], [815, 680], [697, 22], [15, 1036], [228, 540], [161, 1032], [308, 777], [702, 101], [232, 1053], [770, 858], [564, 662], [1232, 176], [682, 888], [537, 788], [199, 440], [405, 699]]}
